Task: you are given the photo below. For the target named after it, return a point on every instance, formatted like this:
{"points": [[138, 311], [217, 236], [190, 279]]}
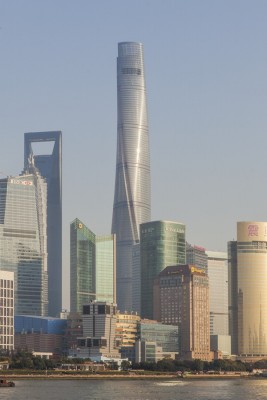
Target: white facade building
{"points": [[6, 310]]}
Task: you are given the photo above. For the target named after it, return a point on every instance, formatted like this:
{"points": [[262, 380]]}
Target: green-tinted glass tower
{"points": [[92, 266], [82, 265], [106, 268], [162, 243]]}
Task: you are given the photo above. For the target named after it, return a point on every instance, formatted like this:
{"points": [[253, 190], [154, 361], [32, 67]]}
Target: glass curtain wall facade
{"points": [[196, 255], [132, 184], [50, 167], [165, 336], [92, 266], [251, 295], [106, 268], [232, 295], [136, 293], [23, 240], [218, 288], [162, 243], [82, 265]]}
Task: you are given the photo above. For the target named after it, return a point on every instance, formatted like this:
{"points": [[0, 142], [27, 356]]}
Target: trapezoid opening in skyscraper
{"points": [[132, 184], [50, 167]]}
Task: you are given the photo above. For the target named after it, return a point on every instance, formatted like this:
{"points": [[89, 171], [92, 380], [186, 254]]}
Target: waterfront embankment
{"points": [[123, 376]]}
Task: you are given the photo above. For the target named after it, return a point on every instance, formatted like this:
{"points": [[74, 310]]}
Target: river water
{"points": [[235, 389]]}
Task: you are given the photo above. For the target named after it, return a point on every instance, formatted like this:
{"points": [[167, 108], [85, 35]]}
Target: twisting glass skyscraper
{"points": [[132, 186]]}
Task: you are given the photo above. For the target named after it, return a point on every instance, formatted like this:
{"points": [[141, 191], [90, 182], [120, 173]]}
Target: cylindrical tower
{"points": [[132, 185], [252, 284]]}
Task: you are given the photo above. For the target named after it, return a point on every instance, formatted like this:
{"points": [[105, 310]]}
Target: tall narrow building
{"points": [[232, 295], [218, 283], [105, 268], [92, 267], [7, 310], [82, 265], [49, 166], [217, 271], [132, 185]]}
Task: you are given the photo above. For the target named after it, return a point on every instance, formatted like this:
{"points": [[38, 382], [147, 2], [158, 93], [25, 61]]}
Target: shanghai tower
{"points": [[132, 184]]}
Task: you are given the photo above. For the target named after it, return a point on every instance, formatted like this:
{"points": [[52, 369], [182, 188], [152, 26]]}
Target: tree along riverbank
{"points": [[21, 375]]}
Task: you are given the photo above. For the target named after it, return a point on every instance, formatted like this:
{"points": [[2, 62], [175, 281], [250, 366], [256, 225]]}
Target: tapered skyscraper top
{"points": [[132, 186], [49, 166]]}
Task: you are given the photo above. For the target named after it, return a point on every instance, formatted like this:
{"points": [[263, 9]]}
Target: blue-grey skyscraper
{"points": [[23, 241], [50, 167], [132, 185]]}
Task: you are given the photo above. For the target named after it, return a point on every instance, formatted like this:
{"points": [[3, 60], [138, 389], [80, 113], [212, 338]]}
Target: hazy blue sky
{"points": [[206, 66]]}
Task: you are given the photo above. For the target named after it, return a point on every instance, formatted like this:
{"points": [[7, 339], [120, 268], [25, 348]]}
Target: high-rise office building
{"points": [[232, 295], [181, 297], [196, 255], [136, 287], [248, 288], [162, 243], [82, 265], [105, 269], [132, 185], [92, 266], [7, 310], [218, 284], [23, 241], [50, 167], [218, 294]]}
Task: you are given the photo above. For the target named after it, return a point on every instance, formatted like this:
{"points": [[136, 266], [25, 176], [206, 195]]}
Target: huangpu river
{"points": [[202, 389]]}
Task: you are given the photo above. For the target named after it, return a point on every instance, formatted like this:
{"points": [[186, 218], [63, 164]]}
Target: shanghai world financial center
{"points": [[50, 167]]}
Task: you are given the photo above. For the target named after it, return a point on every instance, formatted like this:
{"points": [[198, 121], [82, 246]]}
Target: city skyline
{"points": [[207, 89]]}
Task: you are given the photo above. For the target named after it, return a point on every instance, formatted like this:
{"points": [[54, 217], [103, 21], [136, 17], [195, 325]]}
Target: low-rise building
{"points": [[39, 334], [86, 366], [155, 341], [126, 329], [74, 329], [98, 340]]}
